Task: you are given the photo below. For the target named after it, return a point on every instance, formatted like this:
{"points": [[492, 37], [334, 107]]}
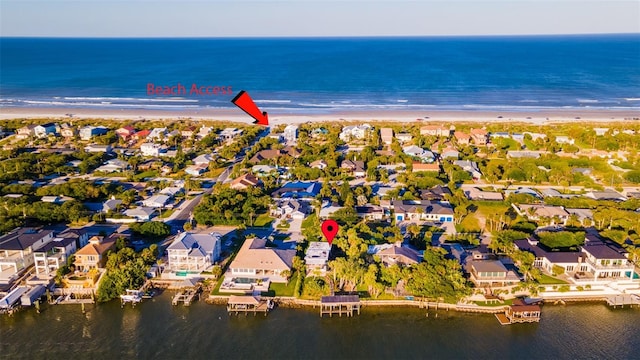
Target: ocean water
{"points": [[157, 330], [326, 74]]}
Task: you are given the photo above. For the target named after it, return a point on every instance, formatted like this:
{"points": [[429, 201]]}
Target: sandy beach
{"points": [[539, 117]]}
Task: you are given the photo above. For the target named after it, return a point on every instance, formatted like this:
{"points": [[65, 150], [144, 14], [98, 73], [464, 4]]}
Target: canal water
{"points": [[157, 330]]}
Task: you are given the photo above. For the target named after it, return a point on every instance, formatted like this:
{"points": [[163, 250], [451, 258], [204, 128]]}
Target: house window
{"points": [[569, 268]]}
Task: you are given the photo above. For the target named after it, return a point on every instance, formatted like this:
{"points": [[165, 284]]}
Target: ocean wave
{"points": [[588, 101], [109, 98], [632, 99]]}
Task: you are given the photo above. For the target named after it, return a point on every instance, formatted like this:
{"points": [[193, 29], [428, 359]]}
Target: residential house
{"points": [[96, 148], [420, 167], [607, 194], [328, 209], [16, 251], [142, 134], [404, 137], [79, 236], [601, 131], [87, 132], [150, 149], [583, 216], [355, 167], [126, 132], [535, 136], [196, 170], [395, 254], [436, 193], [111, 205], [607, 261], [317, 256], [435, 130], [172, 191], [354, 132], [257, 261], [513, 154], [479, 136], [490, 273], [54, 199], [193, 253], [67, 131], [271, 154], [26, 131], [418, 152], [480, 194], [204, 159], [188, 132], [94, 254], [500, 134], [50, 257], [141, 213], [298, 189], [450, 153], [422, 210], [462, 138], [245, 181], [158, 134], [290, 133], [229, 134], [293, 209], [536, 212], [370, 212], [113, 165], [564, 140], [204, 131], [386, 135], [319, 164], [469, 166], [43, 130], [157, 201], [263, 170]]}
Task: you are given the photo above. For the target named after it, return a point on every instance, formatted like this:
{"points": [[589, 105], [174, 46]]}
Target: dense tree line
{"points": [[226, 206], [125, 269]]}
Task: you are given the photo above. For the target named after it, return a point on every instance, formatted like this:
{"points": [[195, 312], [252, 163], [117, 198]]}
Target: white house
{"points": [[290, 133], [418, 152], [97, 148], [196, 170], [141, 213], [422, 210], [49, 258], [87, 132], [256, 261], [156, 201], [192, 252], [565, 140], [229, 134], [204, 159], [150, 149], [16, 251], [157, 134], [43, 130], [354, 132], [316, 257]]}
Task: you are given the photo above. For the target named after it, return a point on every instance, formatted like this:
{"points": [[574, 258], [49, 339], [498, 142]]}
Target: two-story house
{"points": [[49, 258], [16, 251], [422, 210], [193, 253], [94, 254]]}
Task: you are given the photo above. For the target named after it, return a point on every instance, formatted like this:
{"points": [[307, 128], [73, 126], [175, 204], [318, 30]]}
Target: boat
{"points": [[131, 296]]}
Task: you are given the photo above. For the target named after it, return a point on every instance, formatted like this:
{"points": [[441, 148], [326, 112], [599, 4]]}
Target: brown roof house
{"points": [[257, 261], [479, 136], [94, 254], [245, 181], [391, 254], [356, 167], [462, 138]]}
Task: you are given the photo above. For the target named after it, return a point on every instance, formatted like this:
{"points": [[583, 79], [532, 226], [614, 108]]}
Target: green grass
{"points": [[167, 213], [280, 289], [263, 220], [550, 280], [308, 221], [470, 224], [283, 225]]}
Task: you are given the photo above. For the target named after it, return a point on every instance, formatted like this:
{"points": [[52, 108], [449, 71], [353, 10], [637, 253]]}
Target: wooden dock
{"points": [[248, 304], [623, 299], [519, 314], [186, 296], [340, 304]]}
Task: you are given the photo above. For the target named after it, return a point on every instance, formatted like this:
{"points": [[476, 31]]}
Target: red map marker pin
{"points": [[330, 229]]}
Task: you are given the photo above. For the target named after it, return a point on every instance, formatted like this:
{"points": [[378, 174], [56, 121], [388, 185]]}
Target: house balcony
{"points": [[621, 267]]}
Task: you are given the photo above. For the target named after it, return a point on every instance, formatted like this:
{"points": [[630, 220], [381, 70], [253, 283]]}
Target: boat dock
{"points": [[519, 314], [340, 304], [247, 304], [622, 300], [132, 297], [186, 296]]}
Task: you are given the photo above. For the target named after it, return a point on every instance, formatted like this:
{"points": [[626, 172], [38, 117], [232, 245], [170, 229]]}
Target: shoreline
{"points": [[536, 117]]}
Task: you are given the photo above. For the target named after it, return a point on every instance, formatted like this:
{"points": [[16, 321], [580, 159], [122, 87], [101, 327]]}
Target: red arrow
{"points": [[244, 102]]}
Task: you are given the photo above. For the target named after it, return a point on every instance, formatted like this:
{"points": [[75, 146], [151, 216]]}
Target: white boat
{"points": [[131, 296]]}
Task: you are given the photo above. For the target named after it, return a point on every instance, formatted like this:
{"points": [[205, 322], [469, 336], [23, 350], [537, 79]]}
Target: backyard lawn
{"points": [[263, 220], [550, 280]]}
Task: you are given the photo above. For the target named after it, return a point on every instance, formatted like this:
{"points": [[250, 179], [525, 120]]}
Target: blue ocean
{"points": [[325, 74]]}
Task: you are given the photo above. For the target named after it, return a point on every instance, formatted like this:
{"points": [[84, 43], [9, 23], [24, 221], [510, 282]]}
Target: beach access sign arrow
{"points": [[244, 102]]}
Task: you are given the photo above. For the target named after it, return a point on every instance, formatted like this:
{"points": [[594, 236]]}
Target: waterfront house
{"points": [[193, 253], [50, 257], [394, 254], [290, 133], [126, 132], [317, 256], [479, 136], [229, 134], [43, 130], [257, 261], [94, 254], [386, 135], [422, 210], [490, 273], [87, 132], [188, 132], [142, 134], [16, 251], [354, 132], [245, 181], [435, 130]]}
